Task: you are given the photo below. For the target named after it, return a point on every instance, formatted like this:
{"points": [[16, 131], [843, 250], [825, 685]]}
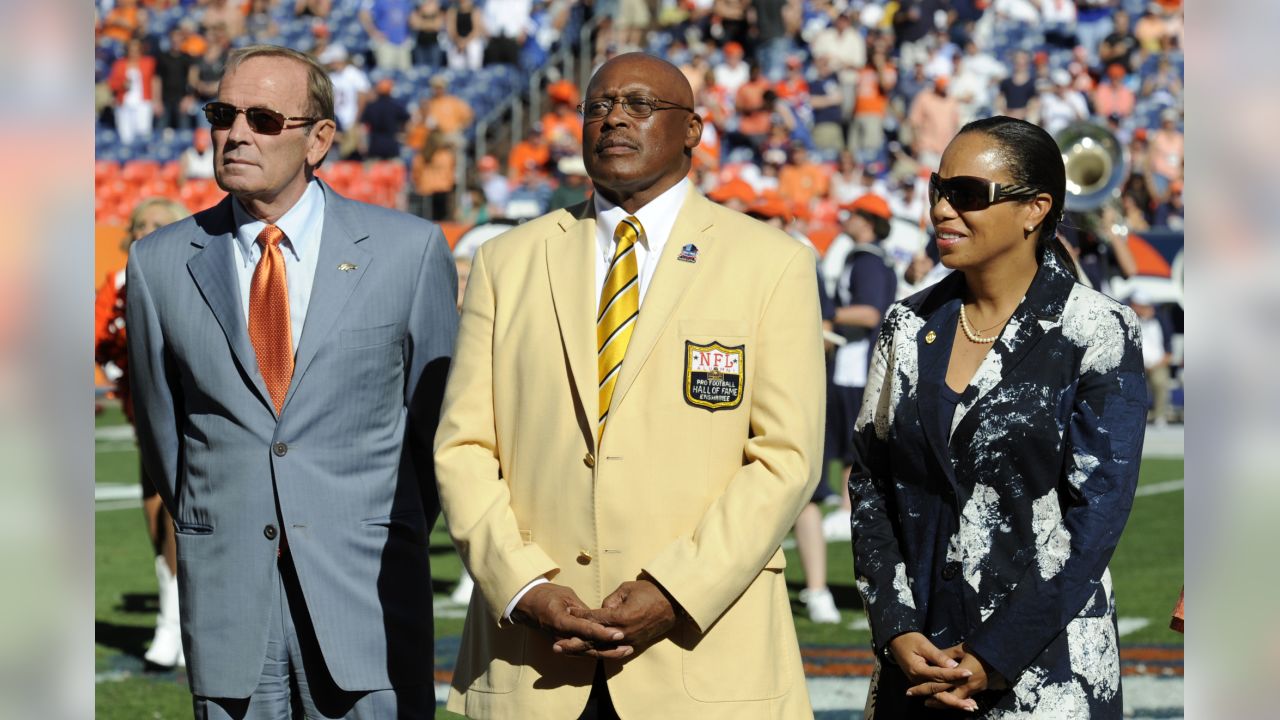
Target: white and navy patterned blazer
{"points": [[999, 535]]}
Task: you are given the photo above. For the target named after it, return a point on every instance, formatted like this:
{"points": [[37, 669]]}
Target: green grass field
{"points": [[1147, 570]]}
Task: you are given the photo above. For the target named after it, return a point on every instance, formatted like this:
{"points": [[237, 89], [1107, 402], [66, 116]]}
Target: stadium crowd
{"points": [[825, 117]]}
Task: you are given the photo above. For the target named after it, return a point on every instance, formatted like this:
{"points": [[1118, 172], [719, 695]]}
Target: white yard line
{"points": [[1160, 488]]}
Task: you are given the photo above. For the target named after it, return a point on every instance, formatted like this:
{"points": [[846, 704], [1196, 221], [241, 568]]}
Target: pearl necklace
{"points": [[970, 333]]}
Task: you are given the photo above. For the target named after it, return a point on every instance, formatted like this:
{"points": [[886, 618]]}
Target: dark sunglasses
{"points": [[261, 120], [637, 106], [966, 193]]}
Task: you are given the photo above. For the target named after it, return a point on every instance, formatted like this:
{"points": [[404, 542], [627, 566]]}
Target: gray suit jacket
{"points": [[348, 461]]}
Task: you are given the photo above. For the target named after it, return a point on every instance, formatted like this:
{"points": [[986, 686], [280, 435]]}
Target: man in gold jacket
{"points": [[631, 426]]}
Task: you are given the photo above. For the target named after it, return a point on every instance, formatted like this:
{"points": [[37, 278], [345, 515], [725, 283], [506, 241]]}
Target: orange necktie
{"points": [[269, 317]]}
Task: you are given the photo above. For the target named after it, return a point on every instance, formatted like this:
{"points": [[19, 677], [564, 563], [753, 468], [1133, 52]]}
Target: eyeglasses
{"points": [[261, 120], [637, 106], [967, 194]]}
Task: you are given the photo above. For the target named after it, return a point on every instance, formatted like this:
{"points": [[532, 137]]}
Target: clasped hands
{"points": [[949, 678], [631, 616]]}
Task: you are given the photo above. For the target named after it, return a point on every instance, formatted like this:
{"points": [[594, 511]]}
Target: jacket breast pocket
{"points": [[371, 337], [715, 357]]}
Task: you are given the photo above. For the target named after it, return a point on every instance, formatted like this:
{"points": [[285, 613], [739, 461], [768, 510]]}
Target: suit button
{"points": [[589, 460], [584, 557], [950, 570], [269, 532], [280, 449]]}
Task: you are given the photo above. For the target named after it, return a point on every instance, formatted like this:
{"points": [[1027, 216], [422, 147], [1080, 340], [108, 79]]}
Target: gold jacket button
{"points": [[589, 460], [930, 337], [584, 557]]}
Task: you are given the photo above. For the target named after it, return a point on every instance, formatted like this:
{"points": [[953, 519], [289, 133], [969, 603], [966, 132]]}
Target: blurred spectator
{"points": [[320, 38], [1093, 23], [387, 23], [384, 119], [173, 66], [493, 183], [1164, 86], [753, 111], [826, 99], [1120, 45], [531, 196], [125, 21], [529, 154], [876, 81], [1139, 205], [434, 178], [802, 180], [1155, 26], [471, 212], [633, 21], [772, 36], [427, 22], [844, 44], [1169, 212], [137, 92], [695, 70], [573, 187], [865, 288], [1059, 104], [734, 72], [206, 73], [312, 8], [971, 90], [196, 162], [845, 185], [794, 88], [223, 14], [562, 125], [350, 93], [729, 23], [1113, 97], [507, 24], [1157, 354], [912, 24], [934, 120], [192, 43], [259, 25], [441, 111], [465, 35], [1166, 152], [1058, 18]]}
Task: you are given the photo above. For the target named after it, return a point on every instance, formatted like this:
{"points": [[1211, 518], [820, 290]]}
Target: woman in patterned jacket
{"points": [[998, 451]]}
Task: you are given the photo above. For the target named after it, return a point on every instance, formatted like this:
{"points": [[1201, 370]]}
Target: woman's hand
{"points": [[925, 664], [959, 695]]}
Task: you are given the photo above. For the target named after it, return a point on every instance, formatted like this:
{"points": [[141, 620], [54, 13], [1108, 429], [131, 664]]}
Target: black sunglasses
{"points": [[637, 106], [966, 193], [261, 120]]}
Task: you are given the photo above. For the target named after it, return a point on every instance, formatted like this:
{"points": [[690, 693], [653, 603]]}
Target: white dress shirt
{"points": [[658, 218], [302, 226]]}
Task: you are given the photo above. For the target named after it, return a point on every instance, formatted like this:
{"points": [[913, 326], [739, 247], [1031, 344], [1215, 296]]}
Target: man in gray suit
{"points": [[301, 484]]}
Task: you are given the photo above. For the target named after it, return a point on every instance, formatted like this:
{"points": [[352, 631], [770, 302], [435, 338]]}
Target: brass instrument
{"points": [[1097, 165]]}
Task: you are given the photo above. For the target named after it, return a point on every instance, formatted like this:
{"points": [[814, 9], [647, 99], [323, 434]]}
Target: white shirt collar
{"points": [[296, 222], [658, 217]]}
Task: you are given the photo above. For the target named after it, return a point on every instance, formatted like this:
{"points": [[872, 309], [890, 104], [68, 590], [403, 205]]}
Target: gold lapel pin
{"points": [[930, 337], [347, 267]]}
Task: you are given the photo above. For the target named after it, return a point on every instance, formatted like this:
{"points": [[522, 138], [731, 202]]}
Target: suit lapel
{"points": [[331, 287], [671, 278], [934, 342], [213, 268], [571, 270]]}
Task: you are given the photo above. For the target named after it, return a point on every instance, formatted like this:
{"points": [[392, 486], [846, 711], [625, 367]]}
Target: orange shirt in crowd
{"points": [[563, 129], [451, 113], [524, 155], [1111, 99], [122, 22], [118, 80], [802, 183], [1166, 153], [435, 176], [869, 98]]}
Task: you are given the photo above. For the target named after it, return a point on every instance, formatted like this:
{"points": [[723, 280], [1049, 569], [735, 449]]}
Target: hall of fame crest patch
{"points": [[714, 375]]}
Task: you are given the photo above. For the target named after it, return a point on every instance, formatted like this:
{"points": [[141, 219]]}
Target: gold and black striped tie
{"points": [[619, 307]]}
